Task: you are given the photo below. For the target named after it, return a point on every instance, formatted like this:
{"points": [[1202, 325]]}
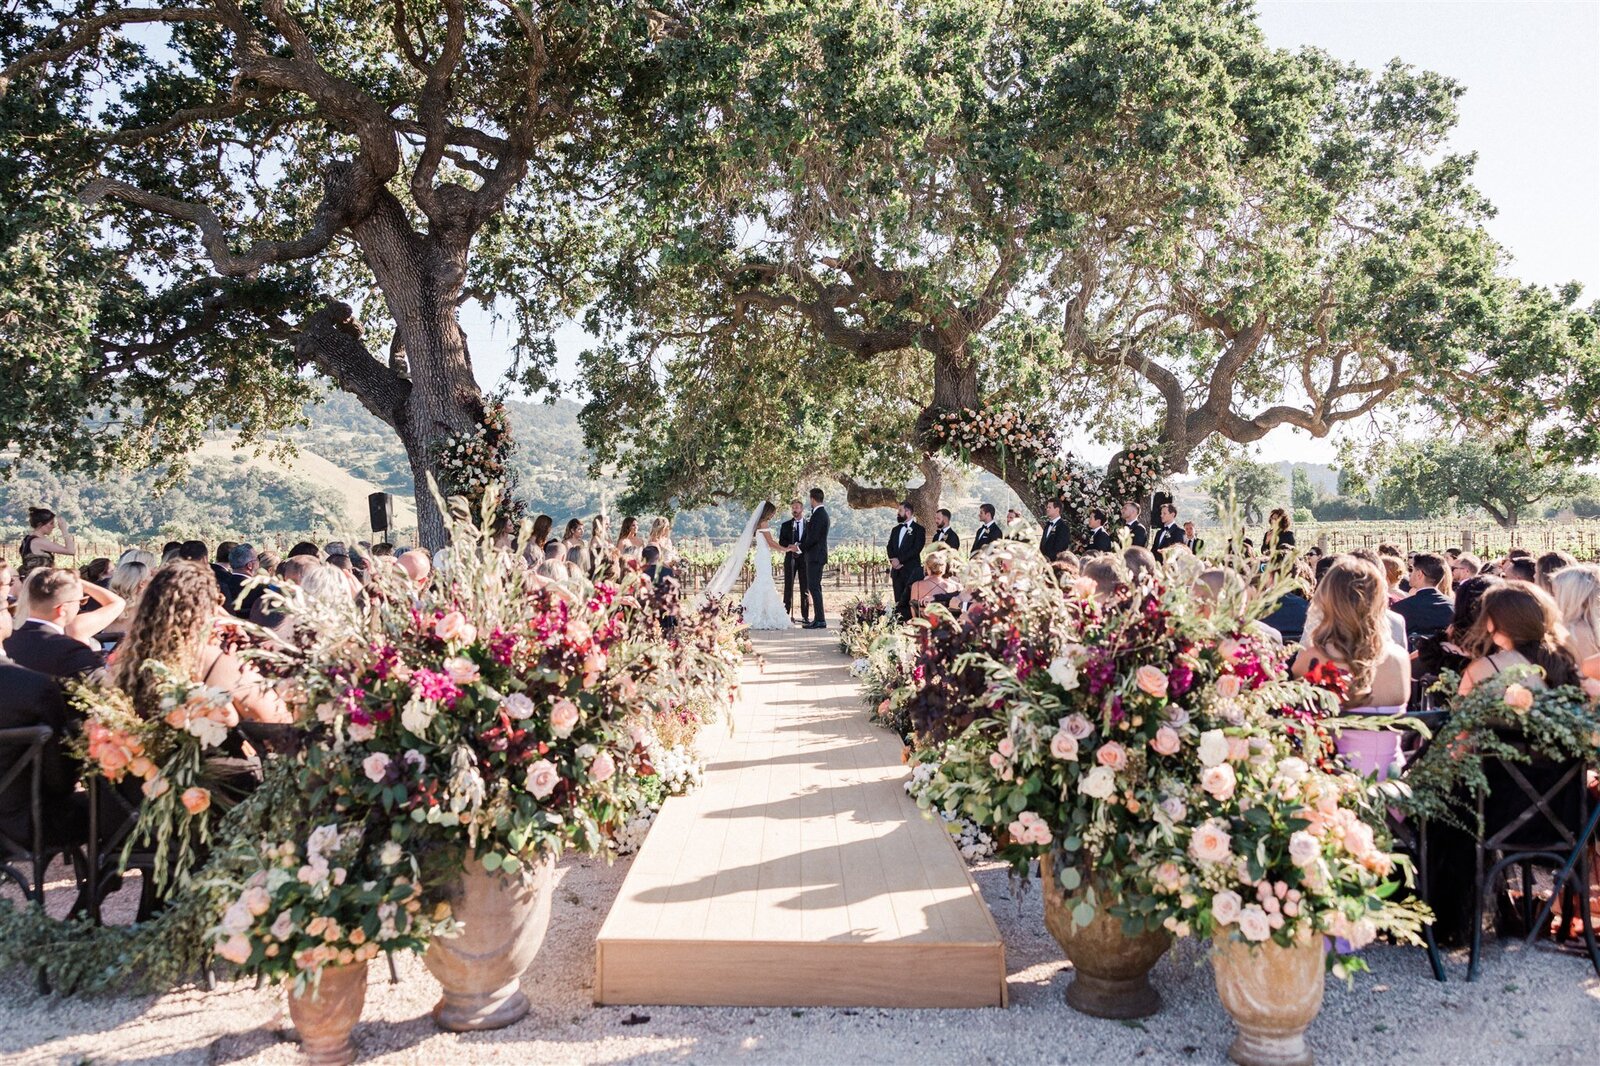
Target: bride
{"points": [[763, 608]]}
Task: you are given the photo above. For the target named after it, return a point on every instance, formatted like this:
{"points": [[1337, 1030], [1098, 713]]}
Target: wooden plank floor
{"points": [[801, 874]]}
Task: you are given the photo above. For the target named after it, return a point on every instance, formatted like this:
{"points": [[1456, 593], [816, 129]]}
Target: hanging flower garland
{"points": [[469, 461], [1136, 476]]}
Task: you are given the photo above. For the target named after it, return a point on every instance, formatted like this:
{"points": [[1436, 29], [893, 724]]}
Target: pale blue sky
{"points": [[1531, 112]]}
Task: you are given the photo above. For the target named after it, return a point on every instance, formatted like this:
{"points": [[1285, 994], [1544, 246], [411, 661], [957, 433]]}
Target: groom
{"points": [[814, 555]]}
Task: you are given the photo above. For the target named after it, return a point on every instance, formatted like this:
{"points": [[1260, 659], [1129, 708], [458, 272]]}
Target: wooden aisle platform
{"points": [[801, 874]]}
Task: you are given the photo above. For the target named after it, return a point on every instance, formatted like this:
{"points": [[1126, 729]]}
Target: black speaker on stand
{"points": [[380, 509]]}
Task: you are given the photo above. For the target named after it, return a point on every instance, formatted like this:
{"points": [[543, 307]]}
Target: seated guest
{"points": [[1519, 568], [219, 562], [383, 550], [305, 547], [1108, 572], [936, 586], [1288, 618], [1443, 651], [1394, 574], [176, 625], [10, 587], [1576, 590], [169, 550], [264, 609], [654, 569], [417, 566], [1066, 566], [1350, 634], [1548, 564], [243, 565], [128, 580], [45, 641], [1463, 566], [96, 572], [29, 698], [1140, 561], [194, 551], [1518, 625], [1428, 610]]}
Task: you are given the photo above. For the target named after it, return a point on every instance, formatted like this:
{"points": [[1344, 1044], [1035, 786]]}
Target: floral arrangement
{"points": [[468, 462], [1014, 432], [1135, 476], [171, 756], [1098, 735], [859, 623], [1502, 718], [331, 898]]}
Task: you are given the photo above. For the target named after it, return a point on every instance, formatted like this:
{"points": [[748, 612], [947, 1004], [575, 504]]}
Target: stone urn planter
{"points": [[503, 922], [1273, 994], [1110, 970], [324, 1016]]}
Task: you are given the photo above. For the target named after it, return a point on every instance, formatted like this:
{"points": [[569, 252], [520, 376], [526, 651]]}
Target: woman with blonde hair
{"points": [[1349, 632], [661, 537], [1518, 625], [935, 586], [176, 625], [129, 581], [1576, 590]]}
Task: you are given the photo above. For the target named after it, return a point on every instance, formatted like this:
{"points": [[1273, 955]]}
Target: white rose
{"points": [[390, 853], [1064, 747], [417, 716], [1303, 848], [1253, 924], [1219, 781], [1098, 783], [542, 779], [1225, 907], [1064, 672], [210, 733], [517, 706], [1213, 747], [375, 766]]}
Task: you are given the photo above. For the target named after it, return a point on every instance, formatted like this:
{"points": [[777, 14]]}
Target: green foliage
{"points": [[1504, 480], [1244, 486]]}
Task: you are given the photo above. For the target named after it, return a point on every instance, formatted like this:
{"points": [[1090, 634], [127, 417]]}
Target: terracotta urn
{"points": [[1273, 994], [325, 1015], [503, 922], [1110, 970]]}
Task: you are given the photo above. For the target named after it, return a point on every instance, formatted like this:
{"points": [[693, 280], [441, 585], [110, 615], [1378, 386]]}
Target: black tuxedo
{"points": [[1167, 536], [948, 537], [31, 698], [793, 569], [906, 541], [814, 551], [1100, 540], [38, 647], [1139, 534], [987, 534], [1054, 540]]}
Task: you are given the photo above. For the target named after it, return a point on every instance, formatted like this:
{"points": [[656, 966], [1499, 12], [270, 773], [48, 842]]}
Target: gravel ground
{"points": [[1529, 1005]]}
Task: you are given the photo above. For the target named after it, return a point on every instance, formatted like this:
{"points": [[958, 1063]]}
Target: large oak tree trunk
{"points": [[955, 388]]}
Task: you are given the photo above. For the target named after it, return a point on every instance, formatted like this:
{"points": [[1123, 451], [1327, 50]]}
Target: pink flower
{"points": [[1064, 747], [1238, 749], [1230, 649], [1219, 781], [1029, 828], [1166, 741], [542, 778], [195, 800], [1253, 924], [1228, 686], [1169, 875], [236, 949], [449, 626], [1006, 747], [1076, 726], [1174, 808], [462, 671], [1591, 688], [1151, 681], [1211, 842], [563, 717], [1113, 755], [602, 768], [1358, 839], [1225, 907], [1519, 698], [1303, 848], [375, 766]]}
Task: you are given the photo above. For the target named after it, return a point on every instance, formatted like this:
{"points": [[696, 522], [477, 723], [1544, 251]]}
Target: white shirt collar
{"points": [[48, 625]]}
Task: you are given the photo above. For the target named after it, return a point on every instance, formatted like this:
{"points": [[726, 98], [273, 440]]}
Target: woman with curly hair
{"points": [[1519, 625], [176, 624]]}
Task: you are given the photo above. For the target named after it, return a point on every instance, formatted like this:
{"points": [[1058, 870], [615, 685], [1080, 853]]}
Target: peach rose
{"points": [[1219, 781], [1591, 688], [1166, 741], [195, 800], [1211, 842], [1519, 698], [449, 627], [1238, 749], [1113, 755], [542, 779], [1225, 907], [236, 949], [462, 671], [1228, 686], [602, 768], [1151, 681], [563, 717], [1253, 924], [156, 787]]}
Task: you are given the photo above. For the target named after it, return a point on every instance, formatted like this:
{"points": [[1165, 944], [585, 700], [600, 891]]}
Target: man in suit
{"points": [[1192, 539], [794, 566], [943, 533], [814, 551], [1099, 536], [1138, 533], [41, 643], [989, 530], [28, 697], [1169, 532], [243, 565], [906, 541], [1053, 541], [1429, 609]]}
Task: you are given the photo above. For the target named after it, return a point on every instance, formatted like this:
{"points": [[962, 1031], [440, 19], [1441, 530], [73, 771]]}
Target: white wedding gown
{"points": [[763, 607]]}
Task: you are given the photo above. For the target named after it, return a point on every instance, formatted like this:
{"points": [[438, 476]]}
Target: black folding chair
{"points": [[1547, 800], [1411, 835]]}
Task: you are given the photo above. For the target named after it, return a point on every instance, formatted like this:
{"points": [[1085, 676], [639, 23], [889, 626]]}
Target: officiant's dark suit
{"points": [[814, 550], [906, 541], [794, 568]]}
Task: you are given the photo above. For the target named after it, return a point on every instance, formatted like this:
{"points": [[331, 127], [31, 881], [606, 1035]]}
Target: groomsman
{"points": [[943, 533], [1169, 532], [906, 541], [794, 566], [1191, 538], [1137, 530], [1053, 541], [1099, 536], [989, 530]]}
